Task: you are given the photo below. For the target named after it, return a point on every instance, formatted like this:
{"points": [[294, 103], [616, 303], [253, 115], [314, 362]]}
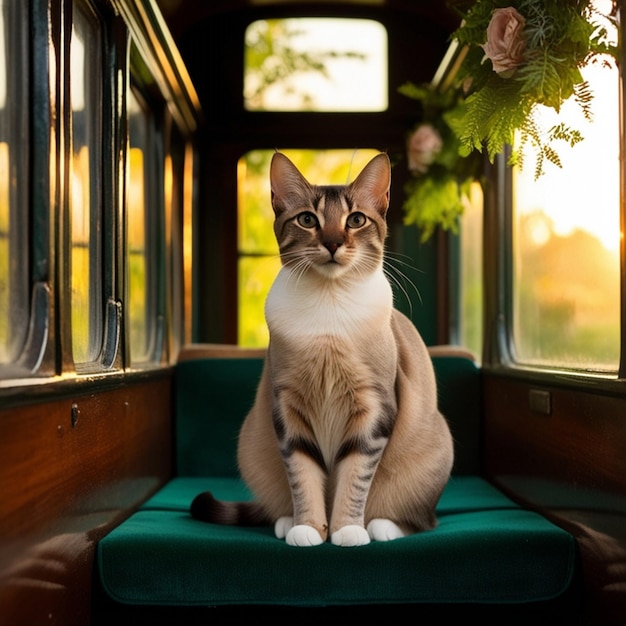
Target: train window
{"points": [[467, 295], [142, 224], [315, 64], [174, 184], [85, 196], [566, 242], [14, 210], [258, 252]]}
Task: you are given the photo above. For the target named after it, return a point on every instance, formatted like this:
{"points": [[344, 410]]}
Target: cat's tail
{"points": [[206, 508]]}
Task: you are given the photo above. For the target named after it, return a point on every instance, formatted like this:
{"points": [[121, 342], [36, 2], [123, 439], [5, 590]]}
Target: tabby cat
{"points": [[345, 440]]}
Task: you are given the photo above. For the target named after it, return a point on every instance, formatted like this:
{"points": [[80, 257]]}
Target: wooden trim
{"points": [[218, 350], [565, 455], [225, 351], [161, 55]]}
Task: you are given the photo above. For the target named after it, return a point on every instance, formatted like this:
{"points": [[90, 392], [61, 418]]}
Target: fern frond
{"points": [[551, 155], [584, 96]]}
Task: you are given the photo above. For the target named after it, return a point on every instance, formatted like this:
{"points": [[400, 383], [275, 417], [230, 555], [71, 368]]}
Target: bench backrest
{"points": [[214, 394]]}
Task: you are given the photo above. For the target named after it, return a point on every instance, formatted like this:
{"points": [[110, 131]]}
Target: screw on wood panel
{"points": [[75, 415], [540, 401]]}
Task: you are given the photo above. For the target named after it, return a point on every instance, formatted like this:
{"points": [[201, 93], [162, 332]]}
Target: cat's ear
{"points": [[371, 186], [287, 183]]}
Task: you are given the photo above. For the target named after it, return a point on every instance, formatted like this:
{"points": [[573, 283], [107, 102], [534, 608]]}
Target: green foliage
{"points": [[483, 110], [561, 37], [272, 58], [435, 201], [438, 198]]}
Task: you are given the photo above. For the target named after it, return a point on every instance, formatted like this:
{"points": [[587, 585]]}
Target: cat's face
{"points": [[333, 230]]}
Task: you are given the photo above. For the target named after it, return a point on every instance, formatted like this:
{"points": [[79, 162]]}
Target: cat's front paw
{"points": [[384, 530], [350, 536], [282, 526], [303, 536]]}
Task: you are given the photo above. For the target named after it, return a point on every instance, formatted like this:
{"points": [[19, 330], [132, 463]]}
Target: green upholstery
{"points": [[486, 549], [212, 398], [214, 395]]}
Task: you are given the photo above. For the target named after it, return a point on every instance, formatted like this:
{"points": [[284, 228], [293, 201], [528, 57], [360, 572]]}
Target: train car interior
{"points": [[137, 249]]}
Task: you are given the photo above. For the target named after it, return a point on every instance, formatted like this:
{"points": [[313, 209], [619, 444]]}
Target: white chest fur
{"points": [[305, 306]]}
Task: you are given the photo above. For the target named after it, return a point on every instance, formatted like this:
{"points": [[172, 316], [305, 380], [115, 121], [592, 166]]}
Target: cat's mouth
{"points": [[333, 270]]}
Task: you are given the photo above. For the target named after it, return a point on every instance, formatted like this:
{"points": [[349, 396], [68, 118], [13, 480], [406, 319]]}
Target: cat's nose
{"points": [[331, 246]]}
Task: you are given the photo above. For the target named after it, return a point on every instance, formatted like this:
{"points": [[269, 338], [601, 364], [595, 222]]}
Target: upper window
{"points": [[315, 64], [566, 244], [14, 277], [86, 180]]}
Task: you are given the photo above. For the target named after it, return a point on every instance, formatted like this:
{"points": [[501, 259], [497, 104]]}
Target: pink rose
{"points": [[423, 147], [505, 41]]}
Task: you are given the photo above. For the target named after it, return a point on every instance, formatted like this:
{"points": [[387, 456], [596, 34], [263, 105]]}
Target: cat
{"points": [[344, 440]]}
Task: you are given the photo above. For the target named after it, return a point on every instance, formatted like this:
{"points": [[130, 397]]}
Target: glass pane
{"points": [[470, 321], [174, 203], [566, 273], [85, 200], [13, 178], [141, 309], [258, 251], [315, 64]]}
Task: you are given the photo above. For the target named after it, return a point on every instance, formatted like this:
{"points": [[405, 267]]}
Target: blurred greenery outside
{"points": [[566, 241], [469, 313], [566, 298], [137, 251], [5, 254]]}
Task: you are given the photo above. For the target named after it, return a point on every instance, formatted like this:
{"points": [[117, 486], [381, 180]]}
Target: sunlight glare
{"points": [[585, 193]]}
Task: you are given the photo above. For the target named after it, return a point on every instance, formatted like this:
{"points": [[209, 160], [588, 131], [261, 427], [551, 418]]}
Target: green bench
{"points": [[488, 554]]}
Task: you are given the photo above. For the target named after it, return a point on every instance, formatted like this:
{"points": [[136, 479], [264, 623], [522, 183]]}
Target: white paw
{"points": [[384, 530], [303, 536], [349, 536], [282, 526]]}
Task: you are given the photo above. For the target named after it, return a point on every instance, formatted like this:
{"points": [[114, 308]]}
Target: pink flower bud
{"points": [[423, 147], [505, 41]]}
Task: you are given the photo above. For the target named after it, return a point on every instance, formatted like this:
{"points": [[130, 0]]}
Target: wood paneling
{"points": [[570, 463], [70, 470]]}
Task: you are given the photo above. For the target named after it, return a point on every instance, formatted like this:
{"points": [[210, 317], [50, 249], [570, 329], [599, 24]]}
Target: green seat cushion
{"points": [[485, 549]]}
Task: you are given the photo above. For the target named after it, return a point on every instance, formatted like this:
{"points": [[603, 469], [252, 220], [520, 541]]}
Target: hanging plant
{"points": [[517, 55], [439, 188]]}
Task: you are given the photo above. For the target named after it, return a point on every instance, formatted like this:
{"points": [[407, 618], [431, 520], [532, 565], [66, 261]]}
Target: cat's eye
{"points": [[307, 220], [356, 220]]}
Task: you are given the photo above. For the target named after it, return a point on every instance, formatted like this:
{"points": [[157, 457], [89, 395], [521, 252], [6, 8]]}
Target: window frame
{"points": [[47, 353], [154, 223], [498, 355], [95, 145], [25, 354]]}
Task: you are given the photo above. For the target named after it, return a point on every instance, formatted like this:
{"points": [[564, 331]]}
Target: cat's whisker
{"points": [[299, 268], [400, 278], [394, 257], [392, 279]]}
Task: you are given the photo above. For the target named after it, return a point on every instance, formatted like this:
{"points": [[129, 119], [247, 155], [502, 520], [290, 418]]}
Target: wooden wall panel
{"points": [[70, 470], [570, 463]]}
